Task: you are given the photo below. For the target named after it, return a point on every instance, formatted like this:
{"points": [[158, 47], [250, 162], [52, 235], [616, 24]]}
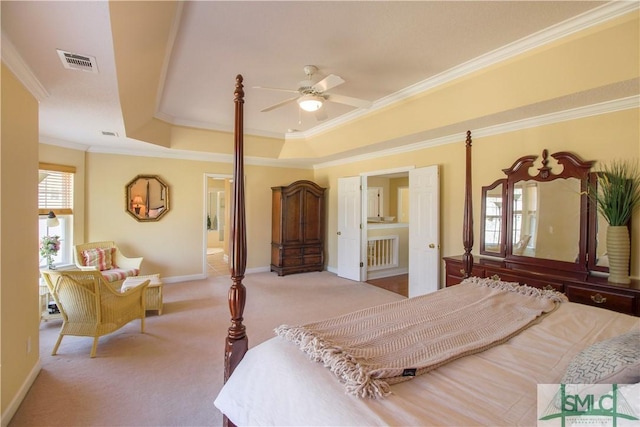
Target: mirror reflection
{"points": [[602, 259], [546, 219], [493, 225], [147, 198]]}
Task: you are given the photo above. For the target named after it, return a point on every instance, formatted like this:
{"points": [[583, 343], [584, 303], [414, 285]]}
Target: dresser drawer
{"points": [[291, 252], [610, 300], [312, 250], [454, 273], [312, 260], [291, 262], [536, 283]]}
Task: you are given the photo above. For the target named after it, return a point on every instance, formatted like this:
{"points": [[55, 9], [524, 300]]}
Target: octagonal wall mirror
{"points": [[147, 198]]}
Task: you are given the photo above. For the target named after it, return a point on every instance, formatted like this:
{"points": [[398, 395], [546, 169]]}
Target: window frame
{"points": [[61, 204]]}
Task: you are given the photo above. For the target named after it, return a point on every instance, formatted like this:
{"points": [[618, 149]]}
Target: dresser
{"points": [[297, 228], [590, 290]]}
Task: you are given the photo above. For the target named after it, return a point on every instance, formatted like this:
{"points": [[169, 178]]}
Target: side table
{"points": [[45, 300], [153, 294]]}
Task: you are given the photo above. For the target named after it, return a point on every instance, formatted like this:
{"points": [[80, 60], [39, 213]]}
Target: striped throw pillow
{"points": [[98, 257]]}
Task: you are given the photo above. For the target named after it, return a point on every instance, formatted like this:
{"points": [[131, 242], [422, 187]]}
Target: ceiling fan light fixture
{"points": [[310, 102]]}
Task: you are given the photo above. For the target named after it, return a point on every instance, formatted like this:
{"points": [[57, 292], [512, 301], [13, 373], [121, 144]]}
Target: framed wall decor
{"points": [[147, 198]]}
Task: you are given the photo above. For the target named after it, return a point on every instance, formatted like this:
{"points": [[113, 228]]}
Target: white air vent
{"points": [[73, 61]]}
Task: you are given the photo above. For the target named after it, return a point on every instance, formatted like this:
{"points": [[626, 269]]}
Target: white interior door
{"points": [[424, 230], [374, 201], [349, 220]]}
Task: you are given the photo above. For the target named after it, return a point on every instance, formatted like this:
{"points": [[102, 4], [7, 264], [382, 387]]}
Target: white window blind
{"points": [[55, 191]]}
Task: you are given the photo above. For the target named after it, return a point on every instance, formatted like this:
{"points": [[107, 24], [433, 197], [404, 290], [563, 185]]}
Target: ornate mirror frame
{"points": [[494, 219], [572, 167], [147, 198]]}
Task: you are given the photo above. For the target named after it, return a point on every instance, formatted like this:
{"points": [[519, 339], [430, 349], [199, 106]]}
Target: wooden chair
{"points": [[90, 307], [108, 259]]}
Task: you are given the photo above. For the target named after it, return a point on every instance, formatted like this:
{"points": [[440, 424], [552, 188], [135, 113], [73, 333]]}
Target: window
{"points": [[55, 194], [493, 221]]}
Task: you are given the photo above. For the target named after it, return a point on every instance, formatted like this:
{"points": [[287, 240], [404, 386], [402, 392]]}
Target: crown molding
{"points": [[562, 116], [555, 32], [627, 103], [631, 102], [213, 126], [169, 153], [16, 64], [62, 143]]}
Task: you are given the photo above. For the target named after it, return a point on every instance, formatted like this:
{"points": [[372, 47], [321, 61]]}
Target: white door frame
{"points": [[363, 234], [205, 190]]}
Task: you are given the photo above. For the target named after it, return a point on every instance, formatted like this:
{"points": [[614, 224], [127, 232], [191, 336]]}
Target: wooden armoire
{"points": [[297, 228]]}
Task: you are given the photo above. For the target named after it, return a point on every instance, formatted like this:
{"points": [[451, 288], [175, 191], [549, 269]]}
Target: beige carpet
{"points": [[170, 375]]}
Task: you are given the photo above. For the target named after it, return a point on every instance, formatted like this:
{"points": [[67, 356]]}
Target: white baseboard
{"points": [[12, 408], [388, 272]]}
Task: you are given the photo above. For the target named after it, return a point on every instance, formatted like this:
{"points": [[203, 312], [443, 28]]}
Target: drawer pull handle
{"points": [[462, 271], [548, 288], [598, 299], [495, 277]]}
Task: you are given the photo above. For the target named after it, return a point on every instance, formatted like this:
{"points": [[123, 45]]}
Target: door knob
{"points": [[431, 245], [339, 233]]}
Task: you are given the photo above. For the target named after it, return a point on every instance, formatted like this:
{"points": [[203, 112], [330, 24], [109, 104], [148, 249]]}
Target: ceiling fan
{"points": [[311, 96]]}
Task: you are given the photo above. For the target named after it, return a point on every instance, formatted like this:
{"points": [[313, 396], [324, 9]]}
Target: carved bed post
{"points": [[467, 228], [237, 341]]}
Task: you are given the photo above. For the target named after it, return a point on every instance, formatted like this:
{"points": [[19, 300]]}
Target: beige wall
{"points": [[174, 245], [585, 137], [19, 314], [605, 56]]}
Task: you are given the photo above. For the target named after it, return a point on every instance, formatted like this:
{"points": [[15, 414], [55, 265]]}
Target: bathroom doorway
{"points": [[216, 239]]}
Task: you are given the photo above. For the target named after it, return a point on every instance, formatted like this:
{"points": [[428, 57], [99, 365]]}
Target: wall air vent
{"points": [[73, 61], [109, 133]]}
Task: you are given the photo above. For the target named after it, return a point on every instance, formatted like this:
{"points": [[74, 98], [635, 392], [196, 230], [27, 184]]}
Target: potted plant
{"points": [[617, 195]]}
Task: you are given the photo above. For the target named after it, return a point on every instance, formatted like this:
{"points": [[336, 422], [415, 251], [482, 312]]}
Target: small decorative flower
{"points": [[49, 247]]}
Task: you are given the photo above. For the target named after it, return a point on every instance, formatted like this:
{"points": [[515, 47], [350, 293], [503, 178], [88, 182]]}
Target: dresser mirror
{"points": [[147, 198], [546, 219], [494, 220], [545, 213]]}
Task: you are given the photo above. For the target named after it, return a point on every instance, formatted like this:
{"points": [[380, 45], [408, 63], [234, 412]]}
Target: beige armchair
{"points": [[92, 308], [108, 259]]}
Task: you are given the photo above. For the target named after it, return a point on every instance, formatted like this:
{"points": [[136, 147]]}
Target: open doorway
{"points": [[216, 236], [359, 249], [387, 231]]}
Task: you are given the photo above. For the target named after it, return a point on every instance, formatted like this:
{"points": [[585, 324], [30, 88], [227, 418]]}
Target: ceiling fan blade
{"points": [[276, 88], [354, 102], [279, 104], [321, 114], [327, 83]]}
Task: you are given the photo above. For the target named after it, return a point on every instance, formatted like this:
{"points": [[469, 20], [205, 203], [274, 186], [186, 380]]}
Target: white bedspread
{"points": [[277, 385]]}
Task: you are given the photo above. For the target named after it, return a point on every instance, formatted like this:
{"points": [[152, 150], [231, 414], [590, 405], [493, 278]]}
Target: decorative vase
{"points": [[618, 249], [50, 265]]}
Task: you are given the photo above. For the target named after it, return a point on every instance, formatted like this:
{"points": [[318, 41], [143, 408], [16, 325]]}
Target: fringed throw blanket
{"points": [[375, 347]]}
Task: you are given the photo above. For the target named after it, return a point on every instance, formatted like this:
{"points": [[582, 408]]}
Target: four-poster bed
{"points": [[275, 383]]}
